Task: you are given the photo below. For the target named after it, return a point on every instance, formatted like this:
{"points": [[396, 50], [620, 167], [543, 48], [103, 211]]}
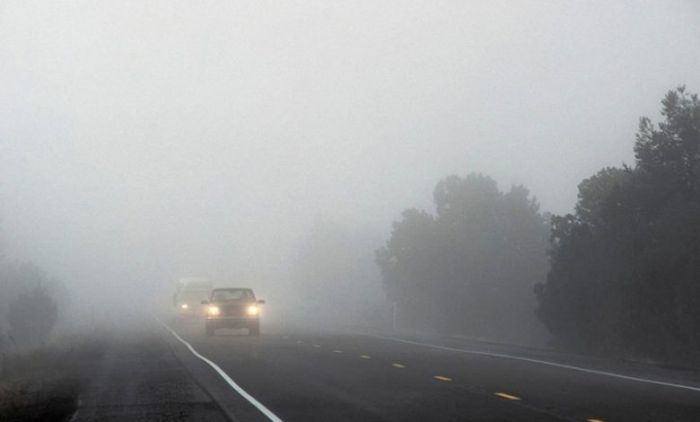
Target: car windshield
{"points": [[231, 294]]}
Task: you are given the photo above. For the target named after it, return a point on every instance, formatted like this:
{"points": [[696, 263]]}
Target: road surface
{"points": [[297, 375]]}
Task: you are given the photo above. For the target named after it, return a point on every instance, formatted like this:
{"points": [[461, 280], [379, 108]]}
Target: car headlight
{"points": [[184, 306], [252, 310], [214, 310]]}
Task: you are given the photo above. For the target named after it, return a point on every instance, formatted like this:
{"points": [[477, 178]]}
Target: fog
{"points": [[143, 141]]}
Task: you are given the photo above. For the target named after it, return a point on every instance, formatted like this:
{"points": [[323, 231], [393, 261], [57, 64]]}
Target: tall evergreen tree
{"points": [[625, 267]]}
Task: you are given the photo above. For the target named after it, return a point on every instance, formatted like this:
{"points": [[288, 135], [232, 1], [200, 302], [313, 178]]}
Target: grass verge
{"points": [[43, 383]]}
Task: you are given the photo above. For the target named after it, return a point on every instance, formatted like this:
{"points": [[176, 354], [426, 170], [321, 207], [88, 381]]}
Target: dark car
{"points": [[233, 308]]}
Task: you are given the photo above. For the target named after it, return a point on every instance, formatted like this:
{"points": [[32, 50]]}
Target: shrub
{"points": [[32, 316]]}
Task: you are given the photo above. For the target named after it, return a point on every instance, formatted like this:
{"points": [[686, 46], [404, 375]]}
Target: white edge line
{"points": [[264, 410], [541, 362]]}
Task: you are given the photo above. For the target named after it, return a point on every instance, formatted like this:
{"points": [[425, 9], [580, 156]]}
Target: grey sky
{"points": [[149, 139]]}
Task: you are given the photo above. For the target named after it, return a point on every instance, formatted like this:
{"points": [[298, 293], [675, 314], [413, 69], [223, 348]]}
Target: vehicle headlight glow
{"points": [[252, 310], [214, 310], [184, 306]]}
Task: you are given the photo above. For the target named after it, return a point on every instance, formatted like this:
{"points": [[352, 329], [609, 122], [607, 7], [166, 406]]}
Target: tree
{"points": [[625, 265], [28, 302], [32, 315], [408, 263], [471, 267]]}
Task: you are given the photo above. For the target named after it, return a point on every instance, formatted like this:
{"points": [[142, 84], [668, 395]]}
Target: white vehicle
{"points": [[189, 294]]}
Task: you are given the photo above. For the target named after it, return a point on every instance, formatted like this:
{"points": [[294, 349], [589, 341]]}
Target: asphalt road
{"points": [[348, 376]]}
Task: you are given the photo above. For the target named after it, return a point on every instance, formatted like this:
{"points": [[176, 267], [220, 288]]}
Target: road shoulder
{"points": [[140, 379]]}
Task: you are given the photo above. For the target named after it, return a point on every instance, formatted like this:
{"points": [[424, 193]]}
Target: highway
{"points": [[298, 375]]}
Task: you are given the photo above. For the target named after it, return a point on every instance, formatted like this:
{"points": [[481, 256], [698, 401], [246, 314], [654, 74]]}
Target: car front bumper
{"points": [[231, 322]]}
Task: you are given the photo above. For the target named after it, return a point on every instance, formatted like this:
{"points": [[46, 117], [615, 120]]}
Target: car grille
{"points": [[233, 310]]}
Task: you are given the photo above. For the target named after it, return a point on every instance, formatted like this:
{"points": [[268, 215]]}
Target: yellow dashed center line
{"points": [[506, 396], [595, 420], [398, 365], [442, 378], [365, 357], [337, 351]]}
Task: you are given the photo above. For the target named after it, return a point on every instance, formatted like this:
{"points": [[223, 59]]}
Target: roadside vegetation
{"points": [[469, 268], [619, 276], [43, 384], [625, 266], [30, 305], [41, 373]]}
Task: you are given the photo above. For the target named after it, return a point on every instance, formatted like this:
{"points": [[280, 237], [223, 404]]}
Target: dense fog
{"points": [[272, 145]]}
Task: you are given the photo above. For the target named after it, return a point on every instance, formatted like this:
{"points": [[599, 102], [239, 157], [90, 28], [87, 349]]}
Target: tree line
{"points": [[625, 266], [620, 275]]}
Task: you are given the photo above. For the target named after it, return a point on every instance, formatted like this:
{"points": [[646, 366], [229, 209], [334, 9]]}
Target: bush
{"points": [[32, 316]]}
